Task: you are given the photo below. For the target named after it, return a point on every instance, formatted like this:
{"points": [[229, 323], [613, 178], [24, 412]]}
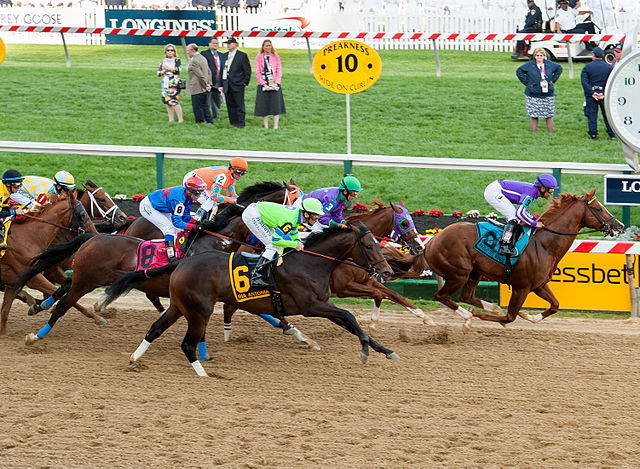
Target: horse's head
{"points": [[100, 203], [293, 192], [404, 229], [596, 216], [367, 252]]}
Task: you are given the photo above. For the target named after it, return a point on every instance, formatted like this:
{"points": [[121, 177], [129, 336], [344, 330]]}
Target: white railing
{"points": [[160, 153]]}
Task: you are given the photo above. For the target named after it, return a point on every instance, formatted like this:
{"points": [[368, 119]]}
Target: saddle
{"points": [[489, 234], [153, 253], [241, 265]]}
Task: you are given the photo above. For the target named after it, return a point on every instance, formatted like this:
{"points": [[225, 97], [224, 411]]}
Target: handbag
{"points": [[182, 83]]}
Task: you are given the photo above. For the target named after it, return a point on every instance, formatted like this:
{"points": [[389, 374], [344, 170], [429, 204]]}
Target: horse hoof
{"points": [[30, 338], [428, 322], [33, 310], [466, 327], [101, 321], [132, 359], [363, 357], [373, 329], [97, 307], [206, 358], [393, 356], [503, 324], [313, 345]]}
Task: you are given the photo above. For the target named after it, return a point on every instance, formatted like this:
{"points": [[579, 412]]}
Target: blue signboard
{"points": [[195, 20], [621, 189]]}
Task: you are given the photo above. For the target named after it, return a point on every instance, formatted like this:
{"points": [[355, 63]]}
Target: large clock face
{"points": [[622, 100]]}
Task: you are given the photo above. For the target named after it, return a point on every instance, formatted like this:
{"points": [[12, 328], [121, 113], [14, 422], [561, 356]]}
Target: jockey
{"points": [[35, 190], [170, 210], [333, 200], [221, 184], [276, 226], [11, 183], [503, 194]]}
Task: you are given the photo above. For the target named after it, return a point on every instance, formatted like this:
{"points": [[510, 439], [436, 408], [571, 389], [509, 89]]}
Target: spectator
{"points": [[169, 72], [199, 84], [594, 78], [618, 54], [269, 99], [215, 60], [538, 76], [252, 5], [532, 24], [118, 3], [202, 4], [236, 75], [229, 3], [566, 20]]}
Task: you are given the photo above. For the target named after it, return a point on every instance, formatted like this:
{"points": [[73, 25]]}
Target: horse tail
{"points": [[52, 256], [131, 280]]}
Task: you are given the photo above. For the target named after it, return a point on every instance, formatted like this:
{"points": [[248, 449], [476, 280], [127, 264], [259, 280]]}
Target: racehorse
{"points": [[32, 234], [347, 281], [200, 281], [100, 206], [101, 259], [263, 191], [451, 255]]}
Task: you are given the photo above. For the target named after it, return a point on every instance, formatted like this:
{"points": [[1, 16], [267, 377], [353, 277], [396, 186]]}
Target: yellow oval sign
{"points": [[347, 66], [3, 50]]}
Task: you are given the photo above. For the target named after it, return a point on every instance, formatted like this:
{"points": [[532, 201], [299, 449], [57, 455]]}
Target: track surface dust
{"points": [[557, 394]]}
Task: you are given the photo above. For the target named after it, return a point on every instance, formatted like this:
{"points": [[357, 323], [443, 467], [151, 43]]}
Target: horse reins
{"points": [[604, 224], [348, 262], [62, 227]]}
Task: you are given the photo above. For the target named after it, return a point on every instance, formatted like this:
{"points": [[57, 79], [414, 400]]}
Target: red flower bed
{"points": [[138, 197], [418, 213], [359, 207], [457, 214], [435, 212]]}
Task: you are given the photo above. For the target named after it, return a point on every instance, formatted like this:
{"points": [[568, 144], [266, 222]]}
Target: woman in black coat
{"points": [[538, 77]]}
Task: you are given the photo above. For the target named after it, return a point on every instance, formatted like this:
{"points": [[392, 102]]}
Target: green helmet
{"points": [[350, 183], [312, 205]]}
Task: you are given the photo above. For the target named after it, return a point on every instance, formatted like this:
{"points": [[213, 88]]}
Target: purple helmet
{"points": [[546, 180]]}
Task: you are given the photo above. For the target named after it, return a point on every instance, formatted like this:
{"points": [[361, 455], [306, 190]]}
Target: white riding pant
{"points": [[160, 219], [251, 217], [493, 194]]}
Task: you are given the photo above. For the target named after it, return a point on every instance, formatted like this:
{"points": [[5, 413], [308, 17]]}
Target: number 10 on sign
{"points": [[347, 67]]}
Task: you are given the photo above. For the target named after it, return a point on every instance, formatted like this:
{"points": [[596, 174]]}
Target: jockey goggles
{"points": [[238, 171]]}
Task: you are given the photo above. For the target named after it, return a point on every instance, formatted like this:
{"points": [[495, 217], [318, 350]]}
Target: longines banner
{"points": [[194, 20], [590, 282]]}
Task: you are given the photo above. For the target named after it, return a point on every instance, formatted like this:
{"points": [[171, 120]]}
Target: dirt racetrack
{"points": [[557, 394]]}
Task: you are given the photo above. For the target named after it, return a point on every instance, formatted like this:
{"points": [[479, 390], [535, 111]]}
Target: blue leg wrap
{"points": [[169, 237], [202, 351], [47, 303], [270, 319], [44, 331]]}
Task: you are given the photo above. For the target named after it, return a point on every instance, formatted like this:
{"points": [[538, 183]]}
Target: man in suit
{"points": [[215, 60], [236, 75], [199, 84]]}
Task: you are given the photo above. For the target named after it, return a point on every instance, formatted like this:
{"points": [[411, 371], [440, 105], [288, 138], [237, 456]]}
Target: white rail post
{"points": [[633, 293], [435, 51]]}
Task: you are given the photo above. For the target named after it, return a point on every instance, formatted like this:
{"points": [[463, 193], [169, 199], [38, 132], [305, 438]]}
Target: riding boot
{"points": [[171, 252], [261, 276], [3, 245], [508, 240]]}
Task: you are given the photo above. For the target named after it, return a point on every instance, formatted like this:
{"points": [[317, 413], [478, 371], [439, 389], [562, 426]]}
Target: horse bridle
{"points": [[102, 212], [78, 212], [371, 270]]}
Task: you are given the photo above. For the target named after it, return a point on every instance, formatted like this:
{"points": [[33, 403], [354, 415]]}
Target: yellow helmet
{"points": [[65, 179]]}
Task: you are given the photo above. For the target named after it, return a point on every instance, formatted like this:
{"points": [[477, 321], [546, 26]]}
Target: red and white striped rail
{"points": [[605, 247], [316, 35]]}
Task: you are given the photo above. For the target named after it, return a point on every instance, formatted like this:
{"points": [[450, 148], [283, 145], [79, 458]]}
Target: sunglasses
{"points": [[171, 50], [240, 172]]}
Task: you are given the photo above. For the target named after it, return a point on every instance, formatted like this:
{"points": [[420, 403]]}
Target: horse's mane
{"points": [[251, 193], [223, 217], [558, 206], [378, 205], [43, 209], [315, 238]]}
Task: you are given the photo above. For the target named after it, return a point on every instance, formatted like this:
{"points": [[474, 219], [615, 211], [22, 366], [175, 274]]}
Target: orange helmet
{"points": [[238, 163], [195, 184]]}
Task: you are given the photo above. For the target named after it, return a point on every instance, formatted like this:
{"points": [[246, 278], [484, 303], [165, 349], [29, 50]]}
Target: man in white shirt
{"points": [[566, 20]]}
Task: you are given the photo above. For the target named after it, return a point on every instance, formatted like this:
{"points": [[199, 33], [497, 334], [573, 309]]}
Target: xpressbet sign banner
{"points": [[193, 20], [589, 282]]}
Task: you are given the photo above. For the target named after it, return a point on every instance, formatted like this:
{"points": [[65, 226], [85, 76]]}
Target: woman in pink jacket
{"points": [[269, 99]]}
